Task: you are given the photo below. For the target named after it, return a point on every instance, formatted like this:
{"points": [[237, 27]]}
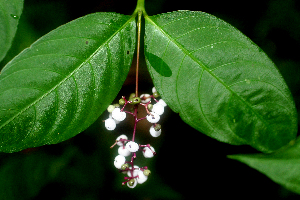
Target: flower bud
{"points": [[123, 151], [132, 183], [158, 108], [145, 98], [124, 137], [110, 124], [110, 108], [162, 102], [132, 146], [153, 90], [153, 132], [153, 118], [149, 153], [141, 177], [119, 161], [118, 115]]}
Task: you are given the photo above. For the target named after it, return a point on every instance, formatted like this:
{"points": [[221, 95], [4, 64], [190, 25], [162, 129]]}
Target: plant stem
{"points": [[139, 10], [135, 121], [140, 6], [139, 25]]}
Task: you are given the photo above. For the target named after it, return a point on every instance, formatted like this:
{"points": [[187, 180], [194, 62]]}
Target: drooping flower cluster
{"points": [[135, 175]]}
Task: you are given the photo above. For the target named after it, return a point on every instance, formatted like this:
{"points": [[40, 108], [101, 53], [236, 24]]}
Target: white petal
{"points": [[153, 90], [146, 100], [121, 137], [153, 132], [153, 118], [123, 151], [132, 146], [158, 109], [142, 178], [110, 124], [119, 161], [118, 115], [135, 171], [162, 102], [148, 153]]}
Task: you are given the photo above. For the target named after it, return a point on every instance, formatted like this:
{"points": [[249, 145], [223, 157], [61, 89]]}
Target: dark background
{"points": [[188, 164]]}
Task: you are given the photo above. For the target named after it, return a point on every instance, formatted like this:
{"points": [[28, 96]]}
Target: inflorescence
{"points": [[127, 147]]}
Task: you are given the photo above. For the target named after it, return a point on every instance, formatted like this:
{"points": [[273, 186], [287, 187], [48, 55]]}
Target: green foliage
{"points": [[283, 166], [10, 12], [219, 81], [61, 84]]}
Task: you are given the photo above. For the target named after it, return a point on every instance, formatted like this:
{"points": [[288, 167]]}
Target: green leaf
{"points": [[10, 12], [221, 83], [61, 84], [283, 166]]}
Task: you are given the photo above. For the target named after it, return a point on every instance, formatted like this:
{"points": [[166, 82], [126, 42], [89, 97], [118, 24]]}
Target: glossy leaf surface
{"points": [[283, 167], [10, 12], [220, 82], [61, 84]]}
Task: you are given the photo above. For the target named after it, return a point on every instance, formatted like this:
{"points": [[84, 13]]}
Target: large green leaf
{"points": [[218, 80], [61, 84], [283, 167], [10, 12]]}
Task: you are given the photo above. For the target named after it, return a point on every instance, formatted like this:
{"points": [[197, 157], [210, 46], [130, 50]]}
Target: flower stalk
{"points": [[128, 147], [135, 174]]}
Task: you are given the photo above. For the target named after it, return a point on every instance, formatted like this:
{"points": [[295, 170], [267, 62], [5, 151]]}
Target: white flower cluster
{"points": [[154, 112], [135, 174], [115, 117]]}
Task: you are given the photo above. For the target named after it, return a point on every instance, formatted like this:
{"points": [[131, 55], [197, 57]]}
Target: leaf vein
{"points": [[69, 75], [51, 54], [223, 65], [209, 45], [200, 64], [178, 19], [200, 104], [199, 28]]}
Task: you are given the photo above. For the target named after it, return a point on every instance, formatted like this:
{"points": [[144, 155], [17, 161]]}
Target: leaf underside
{"points": [[283, 167], [220, 82], [10, 12], [62, 83]]}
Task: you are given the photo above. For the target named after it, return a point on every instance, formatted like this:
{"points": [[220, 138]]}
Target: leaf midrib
{"points": [[185, 51], [70, 75]]}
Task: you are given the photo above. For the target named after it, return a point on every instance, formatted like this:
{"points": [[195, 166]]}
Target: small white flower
{"points": [[110, 124], [132, 146], [153, 132], [153, 90], [145, 98], [153, 118], [134, 172], [119, 161], [158, 108], [118, 115], [148, 153], [110, 116], [162, 102], [141, 177], [124, 137], [123, 151]]}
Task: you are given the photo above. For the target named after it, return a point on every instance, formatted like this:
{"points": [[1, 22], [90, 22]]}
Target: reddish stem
{"points": [[136, 120]]}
